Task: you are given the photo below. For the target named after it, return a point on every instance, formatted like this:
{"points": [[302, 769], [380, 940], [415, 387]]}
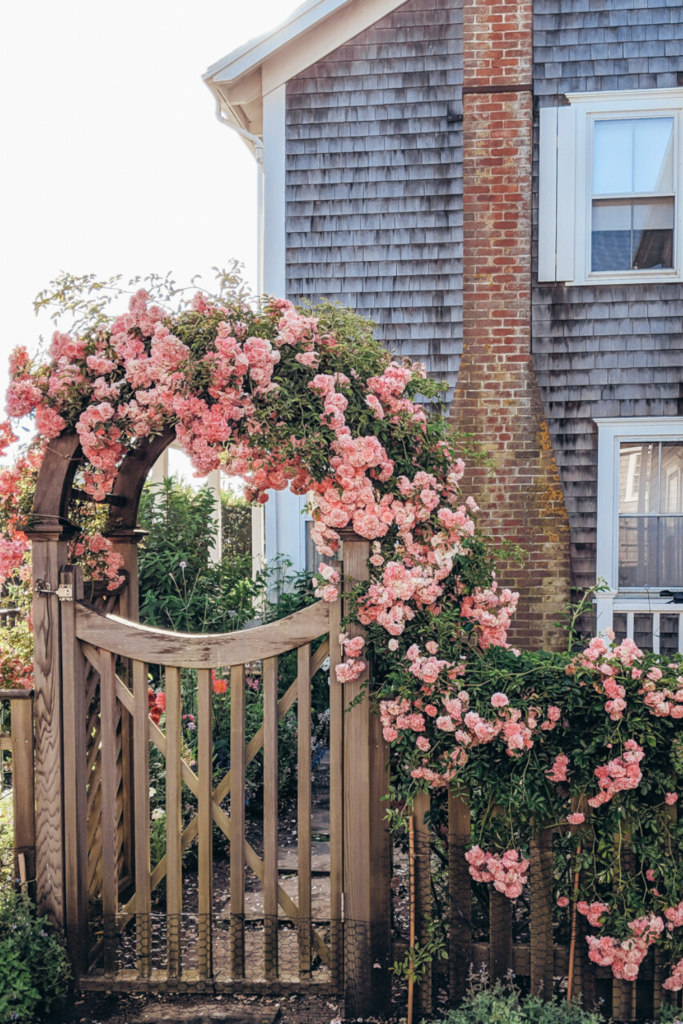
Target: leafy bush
{"points": [[503, 1004], [34, 970]]}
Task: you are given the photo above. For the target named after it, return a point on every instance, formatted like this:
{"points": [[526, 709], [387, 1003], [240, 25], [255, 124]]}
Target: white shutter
{"points": [[547, 194], [556, 160]]}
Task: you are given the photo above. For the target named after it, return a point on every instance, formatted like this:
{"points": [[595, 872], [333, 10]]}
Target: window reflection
{"points": [[651, 514]]}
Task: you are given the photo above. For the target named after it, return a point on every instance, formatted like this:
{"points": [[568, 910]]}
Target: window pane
{"points": [[672, 477], [612, 157], [668, 634], [619, 626], [638, 478], [670, 572], [633, 155], [638, 561], [653, 163], [632, 236], [653, 234]]}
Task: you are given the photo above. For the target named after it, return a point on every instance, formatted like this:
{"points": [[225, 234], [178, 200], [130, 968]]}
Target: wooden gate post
{"points": [[49, 543], [367, 843], [75, 778], [22, 787]]}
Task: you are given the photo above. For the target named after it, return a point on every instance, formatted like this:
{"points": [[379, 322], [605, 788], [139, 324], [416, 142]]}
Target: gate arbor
{"points": [[93, 734]]}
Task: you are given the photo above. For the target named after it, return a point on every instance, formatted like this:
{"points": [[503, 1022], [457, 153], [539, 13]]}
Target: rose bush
{"points": [[589, 744]]}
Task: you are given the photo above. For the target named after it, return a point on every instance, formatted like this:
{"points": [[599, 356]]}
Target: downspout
{"points": [[257, 143]]}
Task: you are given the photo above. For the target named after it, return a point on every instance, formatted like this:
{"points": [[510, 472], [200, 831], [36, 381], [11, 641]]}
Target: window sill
{"points": [[629, 278]]}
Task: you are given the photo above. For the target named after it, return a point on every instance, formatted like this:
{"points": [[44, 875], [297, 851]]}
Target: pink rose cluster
{"points": [[665, 702], [492, 612], [620, 774], [507, 872], [625, 957], [100, 562], [353, 667]]}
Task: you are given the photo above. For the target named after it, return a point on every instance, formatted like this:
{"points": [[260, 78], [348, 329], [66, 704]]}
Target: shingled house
{"points": [[496, 184]]}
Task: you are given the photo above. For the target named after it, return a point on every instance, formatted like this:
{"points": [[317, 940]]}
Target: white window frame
{"points": [[565, 183], [632, 600]]}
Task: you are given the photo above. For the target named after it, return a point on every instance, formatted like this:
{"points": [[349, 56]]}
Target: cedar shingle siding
{"points": [[374, 181], [608, 351], [374, 214]]}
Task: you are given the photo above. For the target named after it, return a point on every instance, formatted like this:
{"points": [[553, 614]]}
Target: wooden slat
{"points": [[5, 740], [143, 892], [304, 808], [336, 795], [205, 823], [460, 895], [270, 818], [163, 647], [423, 896], [23, 795], [237, 772], [174, 821], [75, 778], [15, 695], [108, 800]]}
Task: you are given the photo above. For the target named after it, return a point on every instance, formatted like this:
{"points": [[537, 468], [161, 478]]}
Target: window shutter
{"points": [[556, 194]]}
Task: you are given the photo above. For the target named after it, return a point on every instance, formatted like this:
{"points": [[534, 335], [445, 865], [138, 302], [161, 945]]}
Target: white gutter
{"points": [[257, 143]]}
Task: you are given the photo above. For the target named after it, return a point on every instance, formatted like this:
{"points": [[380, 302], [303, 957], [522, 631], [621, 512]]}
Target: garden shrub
{"points": [[34, 970], [503, 1004]]}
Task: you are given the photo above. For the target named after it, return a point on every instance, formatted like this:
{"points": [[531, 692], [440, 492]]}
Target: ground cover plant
{"points": [[588, 743]]}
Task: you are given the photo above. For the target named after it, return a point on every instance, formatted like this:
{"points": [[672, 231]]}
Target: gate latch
{"points": [[65, 592]]}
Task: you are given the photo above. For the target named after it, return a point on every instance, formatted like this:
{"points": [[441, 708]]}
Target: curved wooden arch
{"points": [[209, 650], [56, 476]]}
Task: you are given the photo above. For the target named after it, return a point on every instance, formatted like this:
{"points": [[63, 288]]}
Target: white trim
{"points": [[547, 194], [618, 98], [611, 432], [274, 241], [312, 32]]}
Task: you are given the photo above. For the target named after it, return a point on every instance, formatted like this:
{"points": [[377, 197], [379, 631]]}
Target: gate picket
{"points": [[304, 808], [237, 773], [108, 787], [174, 823], [143, 891], [205, 821], [270, 818]]}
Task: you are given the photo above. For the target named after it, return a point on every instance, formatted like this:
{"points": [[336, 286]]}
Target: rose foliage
{"points": [[589, 745]]}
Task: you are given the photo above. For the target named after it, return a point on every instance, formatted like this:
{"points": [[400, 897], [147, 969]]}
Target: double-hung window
{"points": [[609, 174], [640, 529]]}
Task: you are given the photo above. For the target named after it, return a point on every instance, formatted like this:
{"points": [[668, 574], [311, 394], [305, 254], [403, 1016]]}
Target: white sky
{"points": [[112, 160]]}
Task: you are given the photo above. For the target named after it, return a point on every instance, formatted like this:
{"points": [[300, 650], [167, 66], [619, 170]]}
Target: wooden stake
{"points": [[572, 940], [411, 871]]}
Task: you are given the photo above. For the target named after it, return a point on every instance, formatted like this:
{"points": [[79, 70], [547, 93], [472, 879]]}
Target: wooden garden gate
{"points": [[93, 733]]}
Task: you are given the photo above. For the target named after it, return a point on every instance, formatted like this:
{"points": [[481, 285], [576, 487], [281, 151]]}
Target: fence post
{"points": [[49, 547], [500, 930], [460, 895], [423, 895], [367, 843], [541, 914], [75, 779], [23, 793]]}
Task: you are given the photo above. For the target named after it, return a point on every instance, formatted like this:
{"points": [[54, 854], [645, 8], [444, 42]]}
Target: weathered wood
{"points": [[165, 648], [500, 930], [205, 823], [270, 818], [366, 866], [304, 808], [108, 802], [237, 772], [460, 895], [143, 892], [423, 895], [336, 794], [23, 795], [14, 695], [174, 821], [541, 914], [75, 777], [48, 557]]}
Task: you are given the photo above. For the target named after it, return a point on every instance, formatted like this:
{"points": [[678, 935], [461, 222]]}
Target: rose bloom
{"points": [[563, 901], [499, 700], [671, 799], [576, 819]]}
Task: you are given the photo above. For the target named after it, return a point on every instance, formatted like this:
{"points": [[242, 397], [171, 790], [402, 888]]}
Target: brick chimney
{"points": [[497, 397]]}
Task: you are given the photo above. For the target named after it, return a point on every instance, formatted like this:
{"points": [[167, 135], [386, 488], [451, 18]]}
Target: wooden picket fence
{"points": [[19, 742]]}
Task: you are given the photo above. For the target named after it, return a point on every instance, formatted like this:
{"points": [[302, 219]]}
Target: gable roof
{"points": [[241, 79]]}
